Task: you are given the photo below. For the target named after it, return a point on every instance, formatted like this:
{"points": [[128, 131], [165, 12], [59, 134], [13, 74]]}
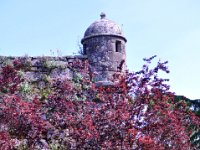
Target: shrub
{"points": [[137, 113]]}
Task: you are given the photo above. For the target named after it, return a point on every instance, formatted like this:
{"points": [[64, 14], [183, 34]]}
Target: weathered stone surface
{"points": [[54, 67], [103, 27], [59, 73], [104, 44], [33, 76]]}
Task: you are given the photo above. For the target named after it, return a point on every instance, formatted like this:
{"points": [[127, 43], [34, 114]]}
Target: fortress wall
{"points": [[35, 69]]}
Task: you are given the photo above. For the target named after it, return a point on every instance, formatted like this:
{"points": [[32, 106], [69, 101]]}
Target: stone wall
{"points": [[37, 68], [42, 76], [99, 66]]}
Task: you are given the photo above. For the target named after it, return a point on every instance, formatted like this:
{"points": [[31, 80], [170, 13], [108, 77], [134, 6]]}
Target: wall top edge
{"points": [[49, 57]]}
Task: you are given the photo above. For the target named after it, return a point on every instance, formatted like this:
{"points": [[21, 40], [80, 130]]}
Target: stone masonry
{"points": [[104, 45], [36, 68]]}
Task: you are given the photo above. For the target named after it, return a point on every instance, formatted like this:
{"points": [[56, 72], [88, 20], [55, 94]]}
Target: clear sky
{"points": [[167, 28]]}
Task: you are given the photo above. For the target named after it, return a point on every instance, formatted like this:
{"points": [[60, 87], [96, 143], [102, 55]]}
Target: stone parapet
{"points": [[37, 68]]}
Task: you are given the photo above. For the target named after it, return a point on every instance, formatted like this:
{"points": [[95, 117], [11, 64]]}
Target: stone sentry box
{"points": [[104, 45]]}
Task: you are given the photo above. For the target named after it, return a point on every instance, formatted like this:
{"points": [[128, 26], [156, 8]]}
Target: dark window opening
{"points": [[118, 46], [84, 49]]}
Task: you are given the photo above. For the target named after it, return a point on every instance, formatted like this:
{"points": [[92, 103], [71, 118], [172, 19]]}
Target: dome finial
{"points": [[103, 15]]}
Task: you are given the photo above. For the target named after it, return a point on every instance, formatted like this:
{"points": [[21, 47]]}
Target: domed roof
{"points": [[103, 27]]}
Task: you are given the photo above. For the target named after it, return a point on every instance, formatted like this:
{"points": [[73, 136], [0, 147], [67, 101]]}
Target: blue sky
{"points": [[167, 28]]}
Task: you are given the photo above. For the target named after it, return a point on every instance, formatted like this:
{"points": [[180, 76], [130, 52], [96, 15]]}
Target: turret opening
{"points": [[84, 49], [118, 46]]}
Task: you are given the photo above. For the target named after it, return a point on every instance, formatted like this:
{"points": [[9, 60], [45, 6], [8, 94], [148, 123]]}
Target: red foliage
{"points": [[138, 113], [9, 80], [5, 141]]}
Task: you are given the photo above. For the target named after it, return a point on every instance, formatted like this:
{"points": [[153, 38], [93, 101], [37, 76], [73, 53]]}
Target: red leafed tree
{"points": [[167, 122], [137, 113]]}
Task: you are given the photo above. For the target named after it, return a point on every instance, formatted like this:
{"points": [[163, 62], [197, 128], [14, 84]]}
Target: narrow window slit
{"points": [[84, 49], [118, 46]]}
